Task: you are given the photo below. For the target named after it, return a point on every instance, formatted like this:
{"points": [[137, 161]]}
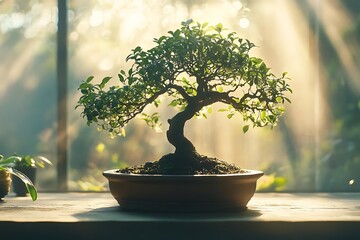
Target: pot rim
{"points": [[249, 173]]}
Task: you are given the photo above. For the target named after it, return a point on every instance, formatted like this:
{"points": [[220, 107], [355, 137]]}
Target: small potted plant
{"points": [[7, 167], [27, 165], [196, 66]]}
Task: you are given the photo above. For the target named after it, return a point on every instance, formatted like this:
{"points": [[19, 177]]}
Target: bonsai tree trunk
{"points": [[184, 149], [175, 135]]}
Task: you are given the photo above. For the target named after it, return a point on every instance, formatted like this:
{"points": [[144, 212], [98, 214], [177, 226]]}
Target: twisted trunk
{"points": [[175, 135]]}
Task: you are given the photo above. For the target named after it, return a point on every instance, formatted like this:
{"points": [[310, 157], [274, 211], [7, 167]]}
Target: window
{"points": [[314, 148], [28, 85]]}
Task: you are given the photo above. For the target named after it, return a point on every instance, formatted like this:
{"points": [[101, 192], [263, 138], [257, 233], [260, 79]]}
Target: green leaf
{"points": [[161, 39], [28, 183], [272, 118], [121, 78], [177, 33], [219, 27], [42, 161], [263, 115], [83, 85], [256, 60], [204, 25], [219, 89], [237, 100], [137, 49], [104, 82], [32, 191], [230, 115], [89, 79], [245, 128], [10, 161], [174, 103], [263, 67], [279, 99], [157, 102]]}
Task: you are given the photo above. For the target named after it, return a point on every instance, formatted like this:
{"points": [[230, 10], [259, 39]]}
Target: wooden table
{"points": [[97, 216]]}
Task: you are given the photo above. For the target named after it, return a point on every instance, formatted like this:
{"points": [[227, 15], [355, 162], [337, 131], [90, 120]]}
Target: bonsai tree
{"points": [[8, 165], [196, 66]]}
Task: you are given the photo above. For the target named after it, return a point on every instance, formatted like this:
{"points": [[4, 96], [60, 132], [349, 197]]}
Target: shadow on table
{"points": [[116, 213], [114, 221]]}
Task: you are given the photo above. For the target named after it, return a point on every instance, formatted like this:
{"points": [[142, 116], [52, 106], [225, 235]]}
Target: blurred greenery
{"points": [[340, 152], [28, 91], [272, 183]]}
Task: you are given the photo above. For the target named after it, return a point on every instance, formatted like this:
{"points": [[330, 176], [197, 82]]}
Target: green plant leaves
{"points": [[89, 79], [9, 162], [245, 128], [42, 161], [104, 82], [28, 183], [6, 165], [152, 120], [197, 65], [230, 115], [263, 115]]}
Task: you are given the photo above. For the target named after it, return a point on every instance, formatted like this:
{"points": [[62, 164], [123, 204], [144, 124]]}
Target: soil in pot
{"points": [[196, 164]]}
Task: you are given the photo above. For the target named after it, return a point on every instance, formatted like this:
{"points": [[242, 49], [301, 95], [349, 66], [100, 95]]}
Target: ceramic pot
{"points": [[183, 193], [5, 183], [19, 187]]}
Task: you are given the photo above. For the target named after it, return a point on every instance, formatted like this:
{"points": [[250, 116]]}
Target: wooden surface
{"points": [[310, 215]]}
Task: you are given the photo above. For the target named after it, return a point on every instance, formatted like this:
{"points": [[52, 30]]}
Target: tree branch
{"points": [[181, 91]]}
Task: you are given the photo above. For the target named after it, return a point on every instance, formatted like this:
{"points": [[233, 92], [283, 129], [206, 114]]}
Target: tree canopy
{"points": [[196, 65]]}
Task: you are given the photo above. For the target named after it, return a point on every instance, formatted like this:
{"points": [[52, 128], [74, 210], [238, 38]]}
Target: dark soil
{"points": [[173, 165]]}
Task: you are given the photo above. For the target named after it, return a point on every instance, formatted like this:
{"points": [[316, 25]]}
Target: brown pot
{"points": [[183, 193], [5, 183]]}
